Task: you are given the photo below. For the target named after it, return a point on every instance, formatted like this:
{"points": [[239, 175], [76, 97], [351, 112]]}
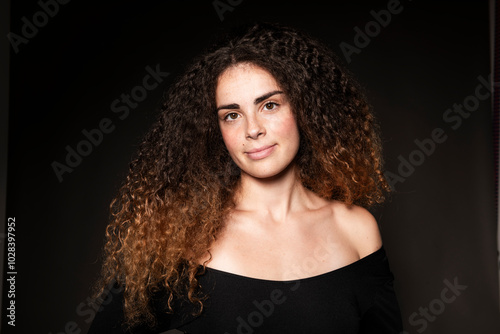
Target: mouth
{"points": [[261, 152]]}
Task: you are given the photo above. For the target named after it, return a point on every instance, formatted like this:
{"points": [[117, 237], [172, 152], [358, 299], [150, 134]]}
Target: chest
{"points": [[285, 253]]}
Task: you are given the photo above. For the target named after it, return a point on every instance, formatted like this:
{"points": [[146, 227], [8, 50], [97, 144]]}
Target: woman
{"points": [[243, 210]]}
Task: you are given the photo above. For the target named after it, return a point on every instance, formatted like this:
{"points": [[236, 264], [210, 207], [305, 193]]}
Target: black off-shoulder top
{"points": [[357, 298]]}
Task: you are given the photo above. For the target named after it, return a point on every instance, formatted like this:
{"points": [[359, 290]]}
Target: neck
{"points": [[274, 197]]}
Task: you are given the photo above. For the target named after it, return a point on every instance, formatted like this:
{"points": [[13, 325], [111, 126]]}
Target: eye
{"points": [[231, 117], [270, 106]]}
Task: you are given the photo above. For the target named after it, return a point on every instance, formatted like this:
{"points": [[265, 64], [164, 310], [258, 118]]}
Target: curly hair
{"points": [[181, 184]]}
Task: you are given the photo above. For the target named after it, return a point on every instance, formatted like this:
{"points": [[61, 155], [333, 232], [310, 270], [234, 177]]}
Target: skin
{"points": [[279, 230]]}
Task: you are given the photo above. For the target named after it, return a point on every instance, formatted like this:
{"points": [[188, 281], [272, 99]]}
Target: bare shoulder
{"points": [[359, 227]]}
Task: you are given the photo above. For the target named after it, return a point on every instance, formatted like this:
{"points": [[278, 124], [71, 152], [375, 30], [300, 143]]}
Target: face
{"points": [[256, 121]]}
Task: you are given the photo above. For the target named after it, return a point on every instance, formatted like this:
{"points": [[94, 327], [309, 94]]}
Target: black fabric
{"points": [[357, 298]]}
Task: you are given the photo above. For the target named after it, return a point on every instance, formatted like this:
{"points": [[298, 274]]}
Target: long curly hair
{"points": [[181, 184]]}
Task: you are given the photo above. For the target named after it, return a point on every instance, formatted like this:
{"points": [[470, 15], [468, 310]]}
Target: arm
{"points": [[384, 315], [109, 317], [381, 309]]}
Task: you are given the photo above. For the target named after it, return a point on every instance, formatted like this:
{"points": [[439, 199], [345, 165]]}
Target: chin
{"points": [[267, 173]]}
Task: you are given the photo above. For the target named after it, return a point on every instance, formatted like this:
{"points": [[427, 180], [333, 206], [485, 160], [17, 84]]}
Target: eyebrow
{"points": [[256, 101]]}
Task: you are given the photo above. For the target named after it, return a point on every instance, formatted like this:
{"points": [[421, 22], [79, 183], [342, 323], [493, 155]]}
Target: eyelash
{"points": [[274, 103], [265, 104], [227, 116]]}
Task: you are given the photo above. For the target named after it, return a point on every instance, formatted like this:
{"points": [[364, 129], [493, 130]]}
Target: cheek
{"points": [[290, 131], [230, 139], [288, 128]]}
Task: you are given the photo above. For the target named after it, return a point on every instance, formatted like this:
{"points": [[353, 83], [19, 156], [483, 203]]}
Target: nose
{"points": [[255, 127]]}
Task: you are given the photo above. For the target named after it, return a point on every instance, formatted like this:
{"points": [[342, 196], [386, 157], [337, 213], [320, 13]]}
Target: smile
{"points": [[261, 153]]}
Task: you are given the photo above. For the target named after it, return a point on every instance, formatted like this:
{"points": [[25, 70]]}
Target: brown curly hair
{"points": [[180, 186]]}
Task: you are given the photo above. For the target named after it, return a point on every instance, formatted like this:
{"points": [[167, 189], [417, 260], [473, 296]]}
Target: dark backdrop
{"points": [[424, 66]]}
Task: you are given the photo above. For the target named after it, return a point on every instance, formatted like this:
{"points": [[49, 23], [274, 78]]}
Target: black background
{"points": [[439, 225]]}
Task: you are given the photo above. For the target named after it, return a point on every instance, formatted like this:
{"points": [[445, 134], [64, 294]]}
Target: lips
{"points": [[260, 152]]}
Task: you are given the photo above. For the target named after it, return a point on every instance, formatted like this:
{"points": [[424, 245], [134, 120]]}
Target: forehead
{"points": [[244, 80]]}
